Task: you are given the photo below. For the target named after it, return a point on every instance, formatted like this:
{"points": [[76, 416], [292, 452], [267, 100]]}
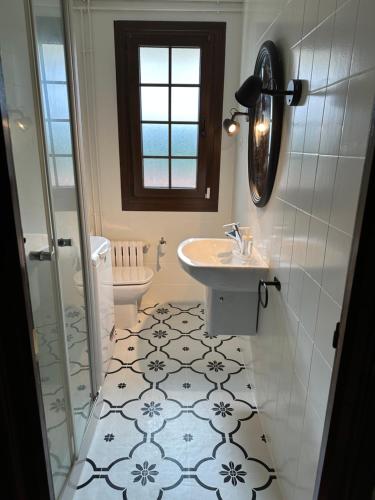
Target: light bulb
{"points": [[231, 126], [262, 127], [23, 123]]}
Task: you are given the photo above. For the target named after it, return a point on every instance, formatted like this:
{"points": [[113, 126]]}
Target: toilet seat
{"points": [[126, 276]]}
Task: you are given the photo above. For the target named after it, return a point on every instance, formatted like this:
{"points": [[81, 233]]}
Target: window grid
{"points": [[171, 122], [49, 120]]}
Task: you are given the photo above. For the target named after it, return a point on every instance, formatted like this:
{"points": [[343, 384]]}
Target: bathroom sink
{"points": [[211, 262]]}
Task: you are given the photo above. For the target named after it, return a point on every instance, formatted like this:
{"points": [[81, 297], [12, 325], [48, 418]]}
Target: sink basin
{"points": [[211, 262]]}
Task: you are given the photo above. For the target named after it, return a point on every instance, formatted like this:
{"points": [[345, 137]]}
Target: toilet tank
{"points": [[104, 315]]}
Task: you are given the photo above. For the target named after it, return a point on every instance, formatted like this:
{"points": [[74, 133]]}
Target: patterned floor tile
{"points": [[239, 385], [123, 385], [115, 437], [234, 475], [231, 349], [185, 349], [188, 440], [132, 349], [187, 386], [179, 418], [216, 367], [224, 411]]}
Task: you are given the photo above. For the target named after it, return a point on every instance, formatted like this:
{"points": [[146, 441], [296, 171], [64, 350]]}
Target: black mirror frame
{"points": [[267, 52]]}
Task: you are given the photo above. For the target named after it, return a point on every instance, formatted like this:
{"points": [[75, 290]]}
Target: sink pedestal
{"points": [[231, 313]]}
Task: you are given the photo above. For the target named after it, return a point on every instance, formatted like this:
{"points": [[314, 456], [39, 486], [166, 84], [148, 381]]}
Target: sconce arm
{"points": [[238, 113], [277, 92]]}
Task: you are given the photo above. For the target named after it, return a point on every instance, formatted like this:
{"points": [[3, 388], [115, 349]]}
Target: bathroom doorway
{"points": [[43, 167]]}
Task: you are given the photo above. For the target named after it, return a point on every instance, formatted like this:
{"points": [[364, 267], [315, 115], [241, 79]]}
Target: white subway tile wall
{"points": [[306, 229]]}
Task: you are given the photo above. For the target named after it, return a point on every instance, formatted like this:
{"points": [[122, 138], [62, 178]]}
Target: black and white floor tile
{"points": [[179, 418]]}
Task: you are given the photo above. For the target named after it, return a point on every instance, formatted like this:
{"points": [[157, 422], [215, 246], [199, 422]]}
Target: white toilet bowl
{"points": [[129, 285]]}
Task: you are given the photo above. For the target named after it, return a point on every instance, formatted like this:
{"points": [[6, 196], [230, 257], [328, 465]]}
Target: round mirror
{"points": [[265, 126]]}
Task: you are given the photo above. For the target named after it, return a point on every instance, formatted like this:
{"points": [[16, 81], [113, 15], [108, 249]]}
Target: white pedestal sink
{"points": [[231, 284]]}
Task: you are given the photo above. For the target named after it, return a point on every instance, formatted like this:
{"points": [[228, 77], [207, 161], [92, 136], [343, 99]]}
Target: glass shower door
{"points": [[53, 84], [32, 58], [49, 333]]}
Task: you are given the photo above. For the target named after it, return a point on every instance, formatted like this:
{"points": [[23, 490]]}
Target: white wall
{"points": [[96, 67], [306, 229]]}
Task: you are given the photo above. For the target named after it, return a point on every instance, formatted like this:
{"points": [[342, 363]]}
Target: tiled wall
{"points": [[306, 229], [96, 69]]}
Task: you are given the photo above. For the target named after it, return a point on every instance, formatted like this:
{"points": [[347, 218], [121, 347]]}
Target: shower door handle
{"points": [[41, 255]]}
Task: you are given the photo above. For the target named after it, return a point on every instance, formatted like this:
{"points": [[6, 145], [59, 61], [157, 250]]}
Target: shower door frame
{"points": [[46, 181], [79, 186], [37, 446], [74, 111]]}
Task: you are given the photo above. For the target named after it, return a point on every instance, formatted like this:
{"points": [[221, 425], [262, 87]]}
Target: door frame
{"points": [[346, 467]]}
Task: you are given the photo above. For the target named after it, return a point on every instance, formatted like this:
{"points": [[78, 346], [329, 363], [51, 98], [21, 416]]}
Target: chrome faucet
{"points": [[243, 239], [235, 233]]}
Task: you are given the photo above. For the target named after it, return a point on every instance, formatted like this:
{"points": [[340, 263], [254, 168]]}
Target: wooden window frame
{"points": [[210, 38]]}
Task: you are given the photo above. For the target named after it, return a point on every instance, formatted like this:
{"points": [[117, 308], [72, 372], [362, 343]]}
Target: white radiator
{"points": [[127, 253]]}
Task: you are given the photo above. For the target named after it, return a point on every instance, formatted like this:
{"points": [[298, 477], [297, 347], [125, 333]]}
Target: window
{"points": [[55, 101], [169, 92]]}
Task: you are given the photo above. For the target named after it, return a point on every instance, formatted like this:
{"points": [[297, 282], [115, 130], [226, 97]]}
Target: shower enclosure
{"points": [[35, 79]]}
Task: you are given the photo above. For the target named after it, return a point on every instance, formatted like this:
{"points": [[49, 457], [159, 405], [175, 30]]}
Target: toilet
{"points": [[131, 280]]}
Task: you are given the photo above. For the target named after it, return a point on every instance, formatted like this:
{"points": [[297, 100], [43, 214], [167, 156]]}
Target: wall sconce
{"points": [[232, 126], [263, 95]]}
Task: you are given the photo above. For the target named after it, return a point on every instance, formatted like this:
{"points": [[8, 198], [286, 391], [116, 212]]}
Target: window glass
{"points": [[61, 138], [184, 140], [65, 172], [155, 173], [53, 59], [185, 65], [56, 113], [185, 104], [154, 103], [155, 139], [169, 139], [184, 173], [154, 63], [58, 101]]}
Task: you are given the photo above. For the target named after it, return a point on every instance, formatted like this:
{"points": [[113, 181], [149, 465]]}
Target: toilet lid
{"points": [[131, 275]]}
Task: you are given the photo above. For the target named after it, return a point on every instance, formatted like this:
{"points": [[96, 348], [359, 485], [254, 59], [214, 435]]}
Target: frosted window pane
{"points": [[61, 138], [155, 140], [54, 63], [184, 140], [154, 62], [184, 173], [65, 173], [51, 167], [185, 65], [185, 104], [154, 103], [155, 173], [44, 99], [58, 101], [48, 139]]}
